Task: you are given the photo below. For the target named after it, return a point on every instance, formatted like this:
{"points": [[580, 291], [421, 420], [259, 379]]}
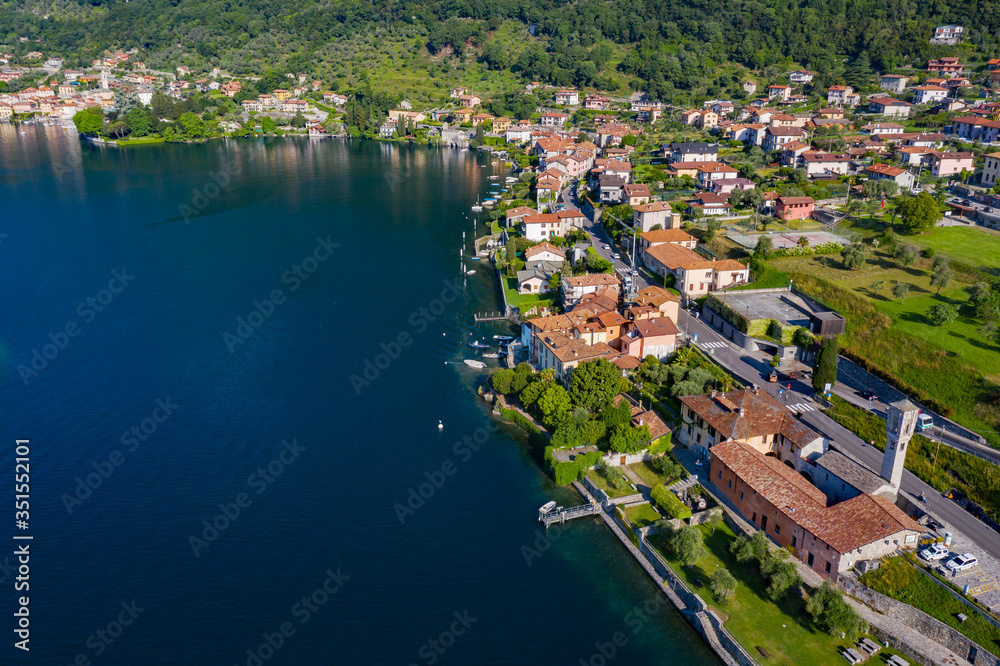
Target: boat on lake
{"points": [[476, 344], [491, 355], [504, 338], [474, 364]]}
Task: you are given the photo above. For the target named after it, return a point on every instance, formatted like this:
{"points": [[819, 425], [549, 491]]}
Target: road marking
{"points": [[713, 345], [802, 407]]}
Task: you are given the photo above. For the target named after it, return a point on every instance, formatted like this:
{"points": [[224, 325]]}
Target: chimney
{"points": [[640, 421], [713, 394], [743, 412]]}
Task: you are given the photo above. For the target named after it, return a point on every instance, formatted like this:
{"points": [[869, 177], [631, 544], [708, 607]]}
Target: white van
{"points": [[924, 422]]}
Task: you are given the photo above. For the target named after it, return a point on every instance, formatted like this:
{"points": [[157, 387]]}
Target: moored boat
{"points": [[474, 364]]}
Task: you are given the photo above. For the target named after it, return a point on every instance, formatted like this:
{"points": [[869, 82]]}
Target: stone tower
{"points": [[899, 425]]}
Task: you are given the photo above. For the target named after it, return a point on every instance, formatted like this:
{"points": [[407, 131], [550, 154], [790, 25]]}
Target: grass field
{"points": [[642, 515], [526, 301], [647, 474], [603, 484], [901, 581], [966, 244], [784, 629]]}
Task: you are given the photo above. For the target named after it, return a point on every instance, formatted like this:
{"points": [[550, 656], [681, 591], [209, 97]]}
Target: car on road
{"points": [[962, 562], [615, 255], [934, 552], [868, 395], [605, 247], [925, 422]]}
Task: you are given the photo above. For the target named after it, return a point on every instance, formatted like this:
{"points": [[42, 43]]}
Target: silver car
{"points": [[962, 562], [934, 552]]}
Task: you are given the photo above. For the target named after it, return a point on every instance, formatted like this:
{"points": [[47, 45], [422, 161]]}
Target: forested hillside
{"points": [[661, 44]]}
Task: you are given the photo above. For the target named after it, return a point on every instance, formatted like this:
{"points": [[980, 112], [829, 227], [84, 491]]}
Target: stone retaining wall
{"points": [[934, 629]]}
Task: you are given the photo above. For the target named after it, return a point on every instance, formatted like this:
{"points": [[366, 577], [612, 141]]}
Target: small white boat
{"points": [[546, 508], [474, 364], [491, 355], [492, 177], [477, 208], [470, 272], [440, 425]]}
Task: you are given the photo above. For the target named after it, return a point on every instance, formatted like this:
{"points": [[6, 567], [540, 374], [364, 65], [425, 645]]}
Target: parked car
{"points": [[606, 246], [934, 552], [962, 562]]}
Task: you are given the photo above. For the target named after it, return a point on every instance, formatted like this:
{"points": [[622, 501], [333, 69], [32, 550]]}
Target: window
{"points": [[809, 560], [720, 473], [754, 519], [741, 495], [827, 567], [794, 542], [777, 529]]}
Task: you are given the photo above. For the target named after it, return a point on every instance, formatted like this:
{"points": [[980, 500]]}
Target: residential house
{"points": [[387, 129], [901, 177], [929, 94], [893, 82], [691, 152], [776, 137], [612, 188], [888, 106], [501, 125], [648, 215], [690, 117], [715, 171], [793, 512], [650, 114], [518, 134], [636, 194], [949, 164], [948, 35], [534, 277], [842, 96], [563, 353], [596, 103], [553, 119], [725, 186], [694, 274], [464, 115], [680, 237], [779, 92], [458, 92], [469, 101], [576, 287], [991, 169], [710, 203], [825, 165], [541, 226], [721, 107], [750, 87], [946, 66], [654, 300], [656, 336], [882, 128], [481, 118], [911, 155], [708, 120], [570, 219], [281, 94], [568, 97], [801, 76], [515, 215], [252, 106], [794, 208], [295, 106], [544, 251], [974, 128]]}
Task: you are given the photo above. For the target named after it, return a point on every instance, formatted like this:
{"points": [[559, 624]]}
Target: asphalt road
{"points": [[755, 369]]}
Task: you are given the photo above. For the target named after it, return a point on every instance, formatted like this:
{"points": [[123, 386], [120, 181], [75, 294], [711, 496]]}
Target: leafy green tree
{"points": [[268, 125], [943, 313], [193, 125], [627, 439], [764, 247], [713, 228], [757, 547], [502, 381], [825, 366], [876, 286], [89, 121], [723, 585], [854, 255], [298, 120], [834, 615], [138, 122], [689, 545], [900, 291], [919, 213], [594, 384], [781, 572], [905, 253], [554, 405], [667, 467]]}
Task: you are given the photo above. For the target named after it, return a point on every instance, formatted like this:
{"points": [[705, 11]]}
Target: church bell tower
{"points": [[900, 422]]}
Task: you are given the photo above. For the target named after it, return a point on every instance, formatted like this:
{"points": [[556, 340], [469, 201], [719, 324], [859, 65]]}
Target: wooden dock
{"points": [[510, 315], [561, 516]]}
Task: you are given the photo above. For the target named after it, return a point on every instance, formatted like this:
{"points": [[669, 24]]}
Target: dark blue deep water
{"points": [[195, 346]]}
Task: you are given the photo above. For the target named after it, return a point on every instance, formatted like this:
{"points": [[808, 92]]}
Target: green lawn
{"points": [[642, 515], [969, 245], [525, 302], [603, 484], [141, 141], [784, 629], [647, 473], [901, 581]]}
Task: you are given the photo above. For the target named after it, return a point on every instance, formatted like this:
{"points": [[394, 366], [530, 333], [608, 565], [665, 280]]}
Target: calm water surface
{"points": [[180, 328]]}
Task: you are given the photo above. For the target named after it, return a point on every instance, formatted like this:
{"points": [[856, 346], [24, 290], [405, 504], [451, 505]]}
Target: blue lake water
{"points": [[180, 329]]}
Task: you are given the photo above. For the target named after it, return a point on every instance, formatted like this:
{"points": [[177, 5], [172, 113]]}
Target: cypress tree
{"points": [[825, 367]]}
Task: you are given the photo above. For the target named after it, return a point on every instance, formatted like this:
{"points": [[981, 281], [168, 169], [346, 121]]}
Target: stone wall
{"points": [[934, 629], [704, 516]]}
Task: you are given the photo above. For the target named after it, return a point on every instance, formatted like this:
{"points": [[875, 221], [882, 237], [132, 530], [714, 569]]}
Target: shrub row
{"points": [[519, 418], [670, 503]]}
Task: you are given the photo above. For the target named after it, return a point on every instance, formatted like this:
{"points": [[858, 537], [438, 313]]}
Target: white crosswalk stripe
{"points": [[713, 345], [802, 407]]}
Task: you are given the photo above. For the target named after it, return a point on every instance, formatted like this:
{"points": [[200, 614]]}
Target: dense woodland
{"points": [[661, 45]]}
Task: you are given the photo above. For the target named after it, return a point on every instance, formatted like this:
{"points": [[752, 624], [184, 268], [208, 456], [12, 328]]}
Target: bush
{"points": [[566, 472], [834, 615], [670, 503], [689, 545], [723, 585], [520, 420]]}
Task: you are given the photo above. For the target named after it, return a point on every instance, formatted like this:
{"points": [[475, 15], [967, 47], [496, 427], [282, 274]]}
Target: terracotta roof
{"points": [[795, 200], [543, 247], [655, 296], [657, 428], [592, 280], [611, 318], [595, 304], [762, 415], [655, 207], [675, 256], [637, 190], [667, 236], [627, 363], [651, 328], [568, 349], [885, 169], [862, 520], [560, 322], [779, 484]]}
